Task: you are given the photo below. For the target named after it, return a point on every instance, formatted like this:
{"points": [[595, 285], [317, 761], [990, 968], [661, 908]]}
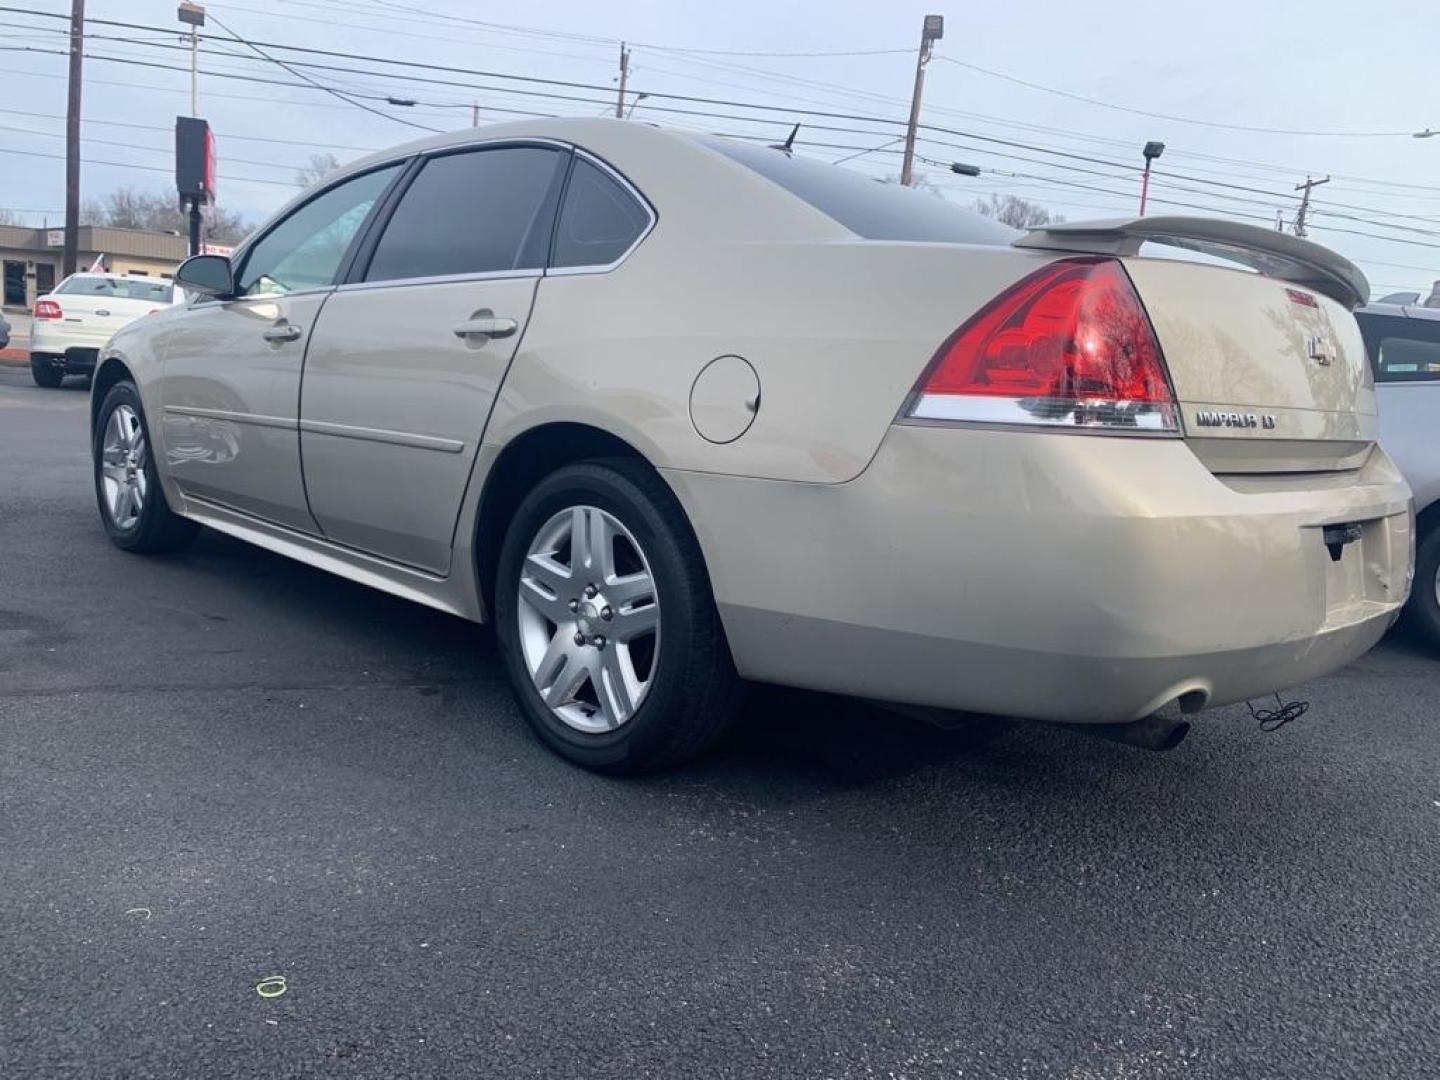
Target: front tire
{"points": [[127, 486], [606, 623], [46, 371], [1425, 598]]}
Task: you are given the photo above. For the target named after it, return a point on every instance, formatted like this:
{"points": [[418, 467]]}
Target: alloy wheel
{"points": [[589, 619], [122, 467]]}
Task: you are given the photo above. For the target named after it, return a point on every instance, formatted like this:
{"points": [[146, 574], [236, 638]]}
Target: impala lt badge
{"points": [[1204, 418], [1321, 350]]}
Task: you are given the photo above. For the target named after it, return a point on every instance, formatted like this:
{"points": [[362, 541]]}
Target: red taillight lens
{"points": [[47, 309], [1068, 346]]}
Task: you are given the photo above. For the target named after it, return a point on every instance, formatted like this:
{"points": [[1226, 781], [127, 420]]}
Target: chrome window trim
{"points": [[635, 193], [442, 279]]}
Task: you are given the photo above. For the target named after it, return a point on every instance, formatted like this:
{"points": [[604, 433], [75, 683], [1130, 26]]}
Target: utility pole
{"points": [[475, 115], [72, 140], [624, 74], [1305, 202], [930, 32]]}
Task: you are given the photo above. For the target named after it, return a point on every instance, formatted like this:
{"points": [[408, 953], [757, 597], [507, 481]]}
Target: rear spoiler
{"points": [[1272, 253]]}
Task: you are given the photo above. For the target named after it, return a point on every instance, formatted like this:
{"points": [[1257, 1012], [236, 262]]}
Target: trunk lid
{"points": [[101, 314], [1270, 375], [97, 306]]}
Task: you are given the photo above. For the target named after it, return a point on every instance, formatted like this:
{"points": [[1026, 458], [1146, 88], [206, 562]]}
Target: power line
{"points": [[293, 66], [314, 84], [870, 119], [170, 130], [318, 85], [1167, 116], [147, 168]]}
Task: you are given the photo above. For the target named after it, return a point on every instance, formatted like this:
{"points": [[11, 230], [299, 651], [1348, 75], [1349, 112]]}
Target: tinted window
{"points": [[1401, 350], [123, 288], [599, 220], [304, 250], [478, 212], [868, 208]]}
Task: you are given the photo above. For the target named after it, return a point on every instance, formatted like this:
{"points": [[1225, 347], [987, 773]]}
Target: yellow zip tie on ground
{"points": [[271, 987]]}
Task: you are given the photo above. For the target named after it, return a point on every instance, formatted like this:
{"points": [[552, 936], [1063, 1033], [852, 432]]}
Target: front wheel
{"points": [[606, 622], [127, 487]]}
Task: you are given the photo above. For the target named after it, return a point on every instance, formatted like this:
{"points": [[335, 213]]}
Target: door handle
{"points": [[488, 326], [281, 332]]}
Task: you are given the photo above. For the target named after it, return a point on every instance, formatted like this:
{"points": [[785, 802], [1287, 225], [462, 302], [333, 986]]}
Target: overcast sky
{"points": [[1344, 70]]}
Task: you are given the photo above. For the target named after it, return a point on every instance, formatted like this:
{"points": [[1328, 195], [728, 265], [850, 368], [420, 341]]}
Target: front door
{"points": [[405, 363], [231, 391]]}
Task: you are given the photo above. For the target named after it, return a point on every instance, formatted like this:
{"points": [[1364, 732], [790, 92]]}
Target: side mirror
{"points": [[209, 275]]}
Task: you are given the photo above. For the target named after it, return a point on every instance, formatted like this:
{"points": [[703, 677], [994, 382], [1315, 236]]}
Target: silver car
{"points": [[1404, 345], [675, 412]]}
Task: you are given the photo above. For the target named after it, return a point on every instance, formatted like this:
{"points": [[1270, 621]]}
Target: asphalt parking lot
{"points": [[221, 766]]}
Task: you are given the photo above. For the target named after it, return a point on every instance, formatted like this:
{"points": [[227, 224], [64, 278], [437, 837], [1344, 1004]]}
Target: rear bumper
{"points": [[1059, 577], [75, 360], [53, 338]]}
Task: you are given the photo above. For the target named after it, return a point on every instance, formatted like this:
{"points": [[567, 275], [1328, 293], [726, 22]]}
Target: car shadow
{"points": [[793, 745]]}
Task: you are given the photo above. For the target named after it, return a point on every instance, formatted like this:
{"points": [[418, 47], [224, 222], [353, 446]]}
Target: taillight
{"points": [[47, 309], [1069, 346]]}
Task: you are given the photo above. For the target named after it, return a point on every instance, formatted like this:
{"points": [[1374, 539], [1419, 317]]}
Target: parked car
{"points": [[1404, 346], [71, 322], [674, 411], [4, 331]]}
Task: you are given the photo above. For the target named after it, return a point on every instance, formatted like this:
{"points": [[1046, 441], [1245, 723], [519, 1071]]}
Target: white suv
{"points": [[1404, 346], [75, 319]]}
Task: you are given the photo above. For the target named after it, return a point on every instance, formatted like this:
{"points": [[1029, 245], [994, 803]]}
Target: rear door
{"points": [[408, 356]]}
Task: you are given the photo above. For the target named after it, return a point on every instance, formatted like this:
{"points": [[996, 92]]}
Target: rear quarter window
{"points": [[869, 208], [1400, 349]]}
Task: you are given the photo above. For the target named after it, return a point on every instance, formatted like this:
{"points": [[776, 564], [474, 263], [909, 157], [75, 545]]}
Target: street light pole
{"points": [[193, 15], [1151, 151], [931, 31]]}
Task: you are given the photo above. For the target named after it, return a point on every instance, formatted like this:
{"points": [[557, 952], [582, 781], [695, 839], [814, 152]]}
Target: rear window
{"points": [[153, 292], [1401, 350], [868, 208]]}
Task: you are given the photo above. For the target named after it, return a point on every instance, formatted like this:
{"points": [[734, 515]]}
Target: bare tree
{"points": [[9, 217], [918, 182], [127, 208], [1015, 211], [316, 168]]}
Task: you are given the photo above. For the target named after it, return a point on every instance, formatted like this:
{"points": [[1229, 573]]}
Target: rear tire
{"points": [[127, 487], [46, 371], [1425, 597], [680, 689]]}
